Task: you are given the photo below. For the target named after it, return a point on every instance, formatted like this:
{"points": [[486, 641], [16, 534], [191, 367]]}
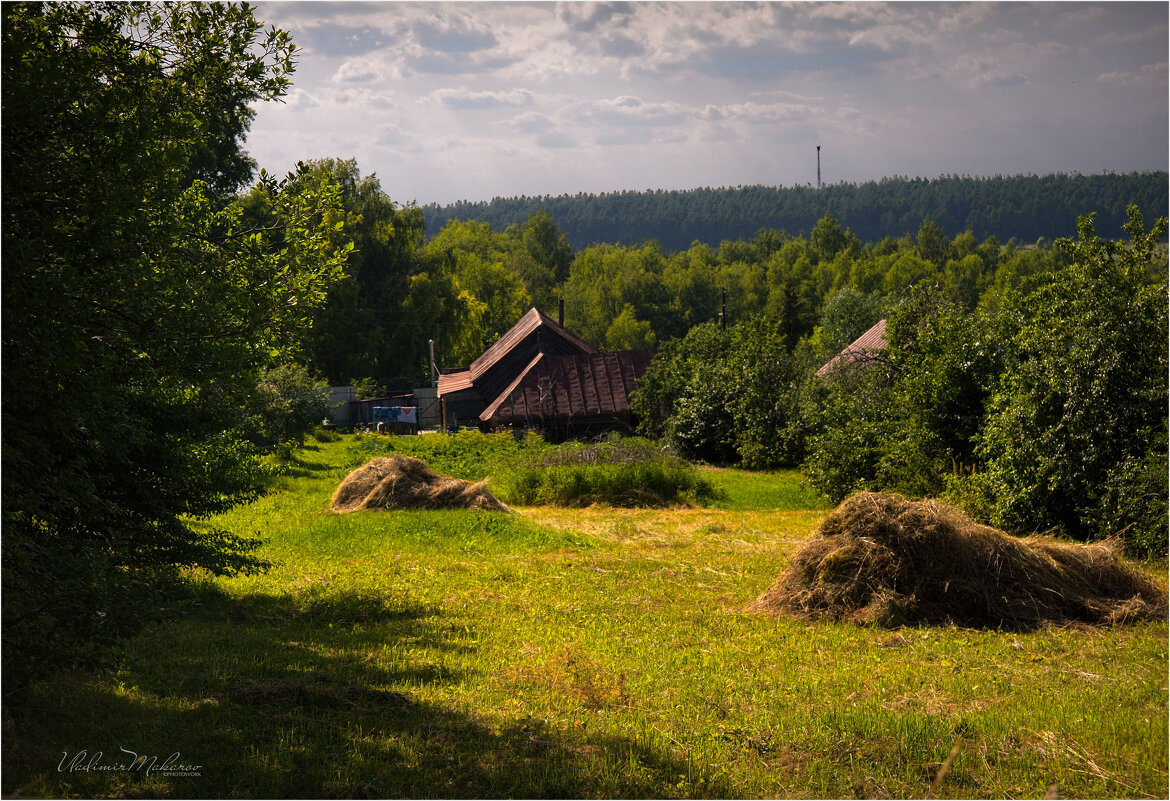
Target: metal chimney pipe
{"points": [[561, 312], [434, 370]]}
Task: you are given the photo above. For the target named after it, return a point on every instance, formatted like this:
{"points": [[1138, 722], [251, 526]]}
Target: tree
{"points": [[629, 333], [289, 403], [138, 307], [1081, 411], [351, 335]]}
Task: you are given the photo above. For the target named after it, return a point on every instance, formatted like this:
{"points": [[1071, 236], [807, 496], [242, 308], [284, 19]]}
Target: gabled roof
{"points": [[553, 337], [859, 351], [573, 385]]}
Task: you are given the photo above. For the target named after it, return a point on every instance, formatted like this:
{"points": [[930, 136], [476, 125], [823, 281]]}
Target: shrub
{"points": [[629, 472], [1076, 430], [725, 396], [289, 403]]}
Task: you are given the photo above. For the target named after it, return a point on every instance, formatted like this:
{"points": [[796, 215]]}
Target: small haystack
{"points": [[401, 482], [883, 560]]}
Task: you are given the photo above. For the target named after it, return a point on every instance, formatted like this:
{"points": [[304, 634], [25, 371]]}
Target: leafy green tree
{"points": [[289, 402], [629, 333], [1081, 412], [846, 314], [605, 279], [548, 258], [724, 395], [138, 307], [351, 334]]}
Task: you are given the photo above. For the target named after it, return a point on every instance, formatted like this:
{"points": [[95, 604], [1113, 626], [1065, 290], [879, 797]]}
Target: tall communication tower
{"points": [[818, 166]]}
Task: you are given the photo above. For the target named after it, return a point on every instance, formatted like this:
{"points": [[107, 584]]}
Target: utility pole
{"points": [[818, 166], [723, 311]]}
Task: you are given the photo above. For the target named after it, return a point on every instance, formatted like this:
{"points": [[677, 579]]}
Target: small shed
{"points": [[863, 351]]}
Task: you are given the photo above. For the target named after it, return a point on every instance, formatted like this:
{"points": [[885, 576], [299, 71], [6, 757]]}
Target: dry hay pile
{"points": [[881, 559], [402, 482]]}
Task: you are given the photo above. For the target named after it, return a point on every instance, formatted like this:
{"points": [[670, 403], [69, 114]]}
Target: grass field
{"points": [[594, 652]]}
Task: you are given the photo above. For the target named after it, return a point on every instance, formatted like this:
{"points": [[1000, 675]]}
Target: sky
{"points": [[449, 101]]}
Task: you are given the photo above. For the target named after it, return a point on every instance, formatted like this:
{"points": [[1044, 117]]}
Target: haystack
{"points": [[881, 559], [402, 482]]}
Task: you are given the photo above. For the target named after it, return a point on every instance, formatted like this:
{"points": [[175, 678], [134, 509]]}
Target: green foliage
{"points": [[289, 403], [1046, 410], [904, 421], [367, 388], [138, 306], [1021, 207], [358, 332], [1074, 429], [628, 333], [724, 395], [619, 472]]}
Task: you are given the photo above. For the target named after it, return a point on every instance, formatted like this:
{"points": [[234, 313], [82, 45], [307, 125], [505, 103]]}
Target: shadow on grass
{"points": [[307, 696]]}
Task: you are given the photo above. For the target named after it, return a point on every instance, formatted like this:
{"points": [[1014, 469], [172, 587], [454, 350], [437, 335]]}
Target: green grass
{"points": [[620, 472], [577, 652]]}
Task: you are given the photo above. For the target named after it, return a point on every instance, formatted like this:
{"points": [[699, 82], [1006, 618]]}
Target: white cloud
{"points": [[685, 94], [299, 100], [466, 99], [1147, 75], [358, 70], [528, 122]]}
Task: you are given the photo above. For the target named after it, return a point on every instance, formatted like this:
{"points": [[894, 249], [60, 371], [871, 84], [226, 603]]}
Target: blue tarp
{"points": [[396, 414]]}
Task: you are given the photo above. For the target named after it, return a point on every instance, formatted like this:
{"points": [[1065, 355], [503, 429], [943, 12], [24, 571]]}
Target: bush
{"points": [[289, 402], [629, 472], [725, 396], [1075, 433]]}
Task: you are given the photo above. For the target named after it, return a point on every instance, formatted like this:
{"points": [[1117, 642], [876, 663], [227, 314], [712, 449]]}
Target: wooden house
{"points": [[540, 375]]}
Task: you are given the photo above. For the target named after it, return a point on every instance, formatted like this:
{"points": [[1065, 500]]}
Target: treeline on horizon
{"points": [[1024, 208]]}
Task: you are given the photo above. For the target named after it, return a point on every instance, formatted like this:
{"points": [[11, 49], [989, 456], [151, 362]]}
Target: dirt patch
{"points": [[881, 559], [402, 482]]}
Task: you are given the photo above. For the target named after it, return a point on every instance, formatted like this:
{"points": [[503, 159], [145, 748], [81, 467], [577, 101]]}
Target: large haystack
{"points": [[401, 482], [881, 559]]}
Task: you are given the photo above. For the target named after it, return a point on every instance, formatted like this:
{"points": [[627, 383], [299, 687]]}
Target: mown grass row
{"points": [[578, 652]]}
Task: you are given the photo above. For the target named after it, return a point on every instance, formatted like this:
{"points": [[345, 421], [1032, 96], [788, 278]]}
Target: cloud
{"points": [[529, 122], [1147, 75], [587, 17], [299, 100], [555, 140], [358, 70], [455, 63], [627, 111], [458, 35], [343, 40], [467, 99]]}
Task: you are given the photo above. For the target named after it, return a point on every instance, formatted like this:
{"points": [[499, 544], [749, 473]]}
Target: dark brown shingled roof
{"points": [[553, 338], [859, 350], [575, 385]]}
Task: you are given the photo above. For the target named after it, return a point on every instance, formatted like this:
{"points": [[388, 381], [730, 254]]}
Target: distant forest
{"points": [[1021, 208]]}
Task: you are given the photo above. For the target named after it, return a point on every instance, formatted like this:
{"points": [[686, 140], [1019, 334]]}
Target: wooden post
{"points": [[443, 407]]}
